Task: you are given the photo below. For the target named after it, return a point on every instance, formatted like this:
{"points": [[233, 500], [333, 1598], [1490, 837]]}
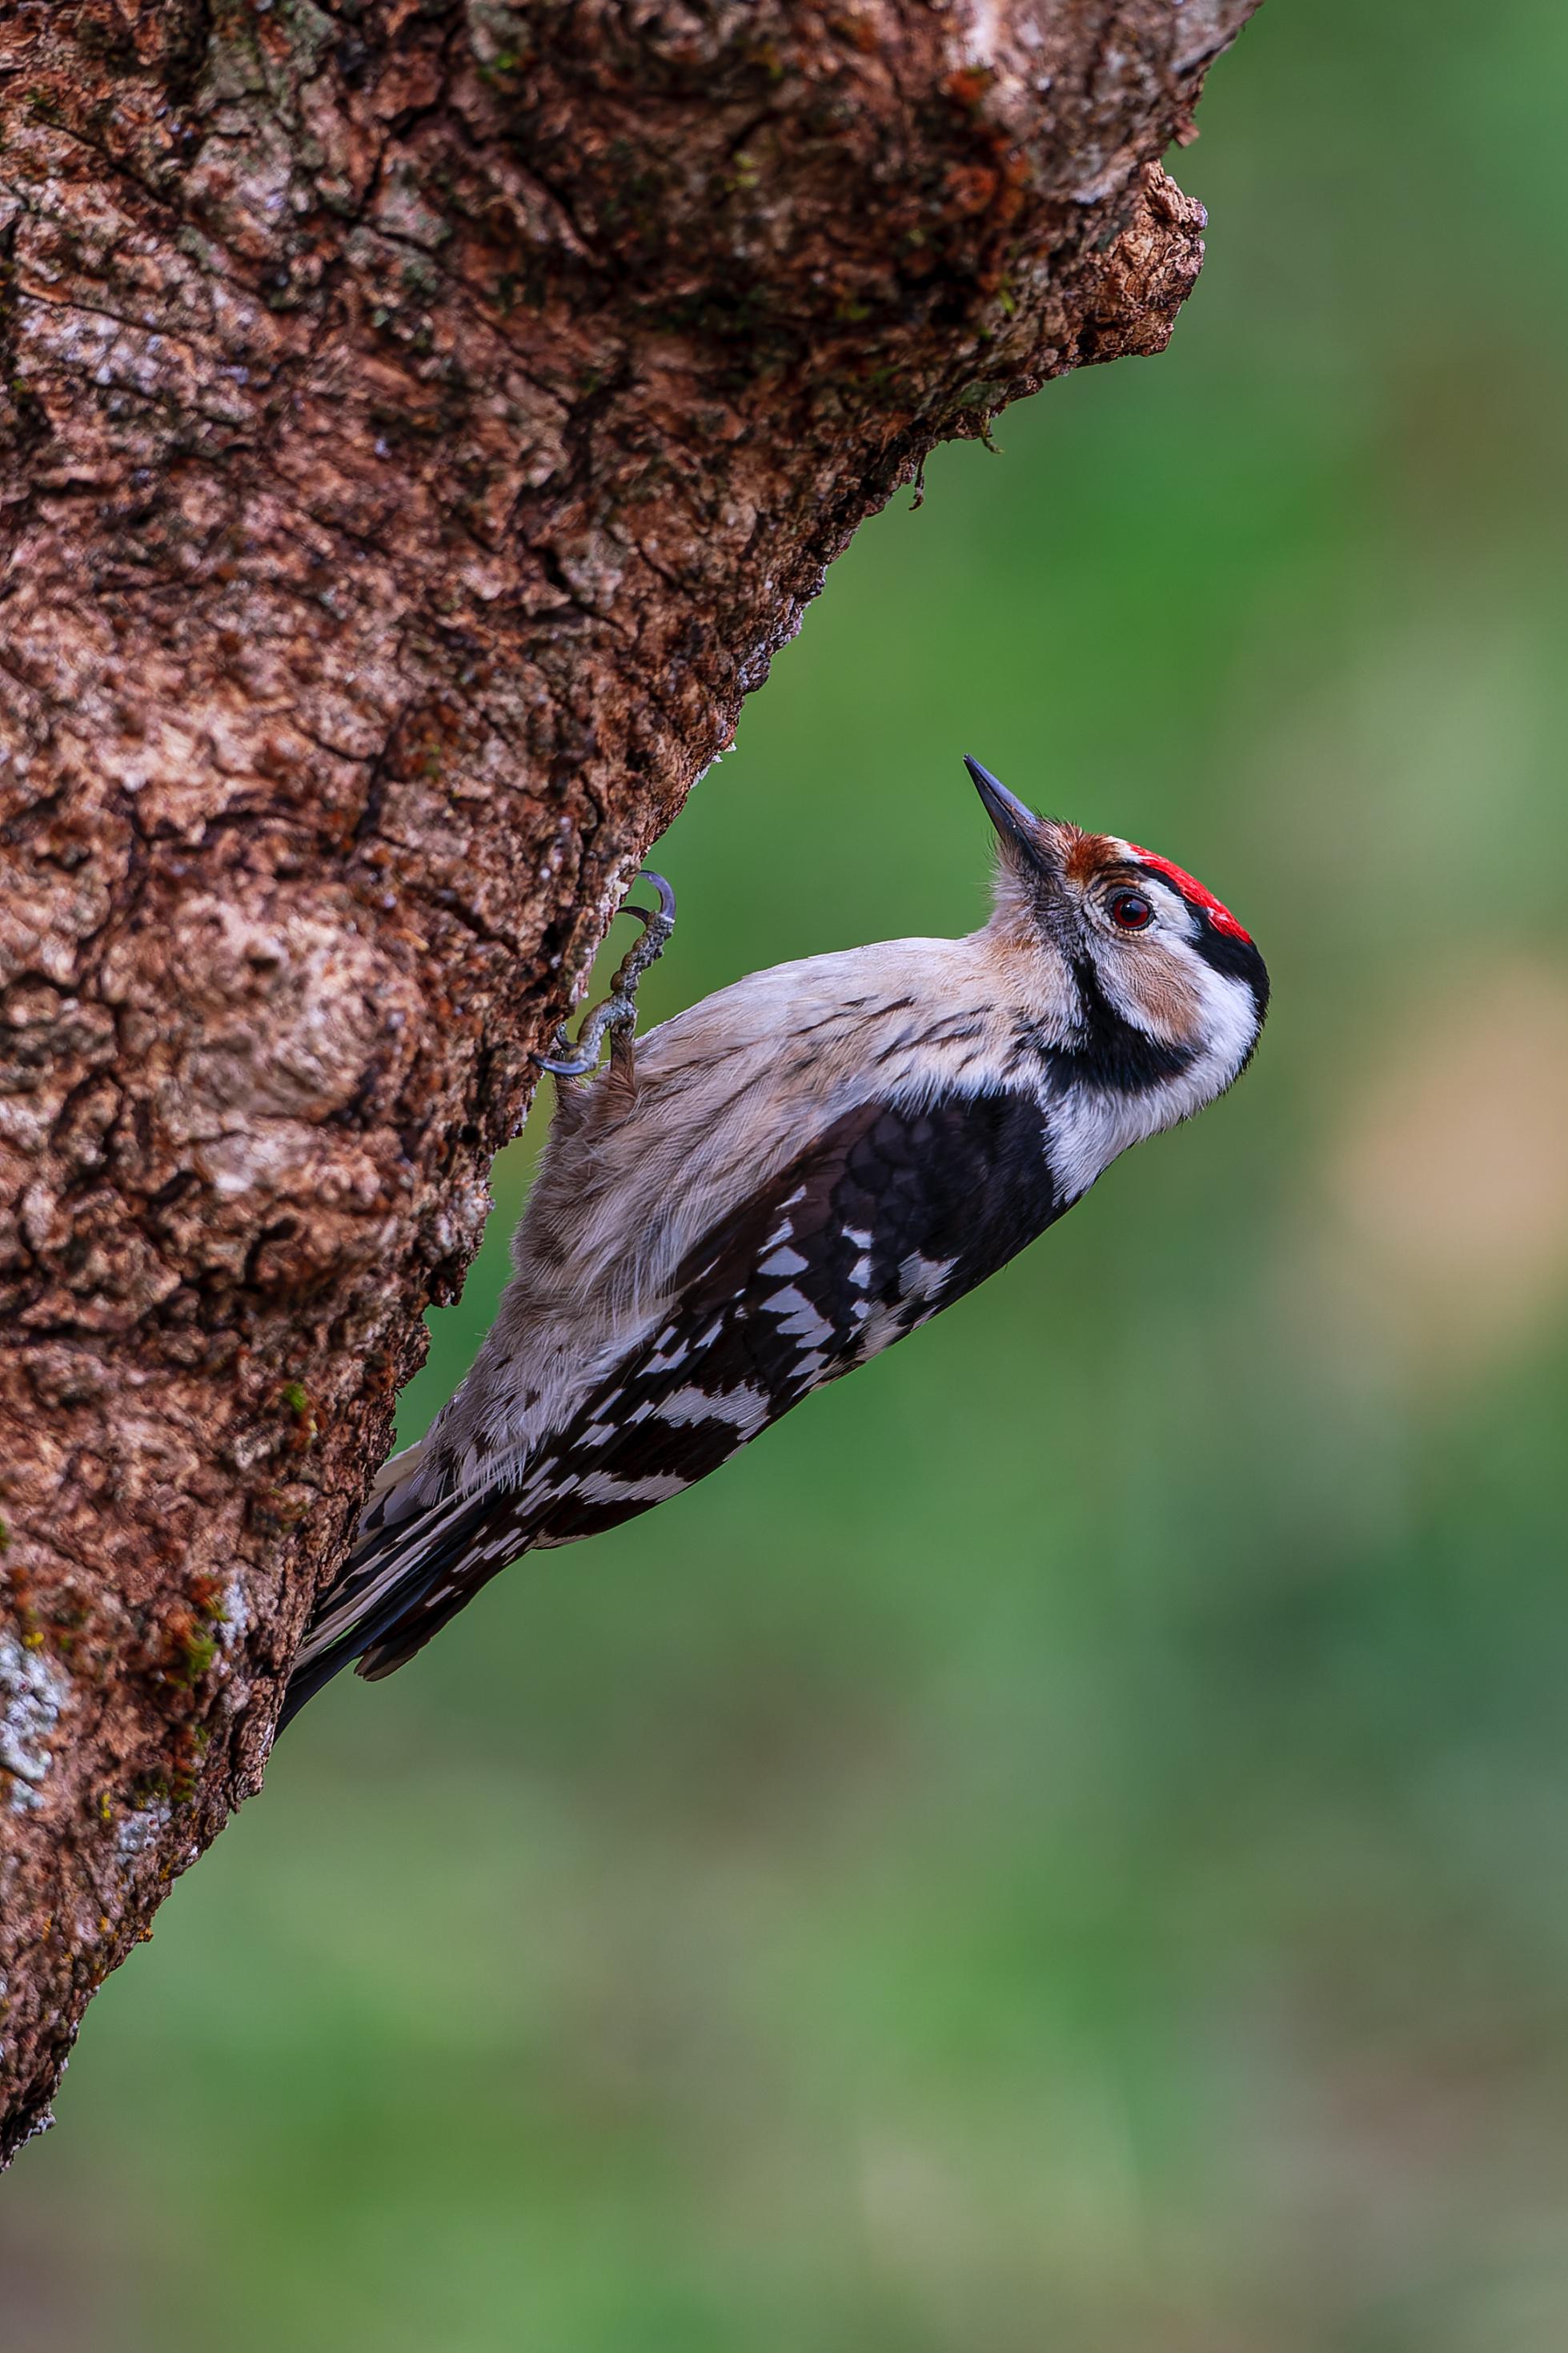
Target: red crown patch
{"points": [[1193, 891]]}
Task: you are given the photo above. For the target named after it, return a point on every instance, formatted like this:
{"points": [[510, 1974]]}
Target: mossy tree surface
{"points": [[421, 424]]}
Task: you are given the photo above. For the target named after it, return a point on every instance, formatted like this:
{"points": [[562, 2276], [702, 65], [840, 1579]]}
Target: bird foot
{"points": [[617, 1014]]}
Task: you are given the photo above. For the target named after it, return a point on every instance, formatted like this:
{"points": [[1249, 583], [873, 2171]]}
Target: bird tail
{"points": [[397, 1472], [397, 1587]]}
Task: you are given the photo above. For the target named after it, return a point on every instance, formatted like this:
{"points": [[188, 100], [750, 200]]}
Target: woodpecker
{"points": [[788, 1178]]}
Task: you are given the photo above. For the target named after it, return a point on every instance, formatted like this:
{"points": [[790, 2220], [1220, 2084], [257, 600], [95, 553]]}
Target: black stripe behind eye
{"points": [[1113, 1052]]}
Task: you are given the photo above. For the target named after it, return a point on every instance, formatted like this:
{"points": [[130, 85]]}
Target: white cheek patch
{"points": [[1174, 943], [1090, 1126]]}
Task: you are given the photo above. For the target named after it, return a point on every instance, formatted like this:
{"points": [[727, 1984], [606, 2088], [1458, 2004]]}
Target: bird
{"points": [[781, 1182]]}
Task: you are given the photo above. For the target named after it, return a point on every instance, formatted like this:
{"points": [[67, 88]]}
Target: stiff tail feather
{"points": [[379, 1610]]}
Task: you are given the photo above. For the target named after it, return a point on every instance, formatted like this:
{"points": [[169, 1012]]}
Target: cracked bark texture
{"points": [[421, 423]]}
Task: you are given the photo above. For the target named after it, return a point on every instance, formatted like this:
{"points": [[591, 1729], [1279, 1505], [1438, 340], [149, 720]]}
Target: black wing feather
{"points": [[884, 1196], [892, 1213]]}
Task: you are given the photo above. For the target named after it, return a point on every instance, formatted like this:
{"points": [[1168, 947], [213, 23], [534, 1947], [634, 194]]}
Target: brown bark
{"points": [[422, 423]]}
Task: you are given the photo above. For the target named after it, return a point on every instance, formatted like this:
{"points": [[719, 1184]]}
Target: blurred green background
{"points": [[1065, 1843]]}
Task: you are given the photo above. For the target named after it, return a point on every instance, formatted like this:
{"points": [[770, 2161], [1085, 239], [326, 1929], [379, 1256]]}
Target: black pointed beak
{"points": [[1012, 821]]}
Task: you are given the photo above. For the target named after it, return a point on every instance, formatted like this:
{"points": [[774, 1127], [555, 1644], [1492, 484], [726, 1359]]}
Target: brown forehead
{"points": [[1089, 855]]}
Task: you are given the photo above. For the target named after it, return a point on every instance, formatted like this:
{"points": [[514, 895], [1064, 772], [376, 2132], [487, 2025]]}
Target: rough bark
{"points": [[422, 422]]}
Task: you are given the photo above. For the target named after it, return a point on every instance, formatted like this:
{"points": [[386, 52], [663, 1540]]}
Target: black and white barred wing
{"points": [[889, 1215]]}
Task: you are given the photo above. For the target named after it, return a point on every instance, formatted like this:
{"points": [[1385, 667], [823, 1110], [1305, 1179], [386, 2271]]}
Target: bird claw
{"points": [[618, 1012]]}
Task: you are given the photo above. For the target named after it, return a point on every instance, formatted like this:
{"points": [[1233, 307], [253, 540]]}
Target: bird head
{"points": [[1164, 992]]}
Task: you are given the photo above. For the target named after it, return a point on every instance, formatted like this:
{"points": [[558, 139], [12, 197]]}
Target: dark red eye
{"points": [[1131, 912]]}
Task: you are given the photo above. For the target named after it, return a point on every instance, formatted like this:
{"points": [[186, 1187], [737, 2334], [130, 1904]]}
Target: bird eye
{"points": [[1131, 912]]}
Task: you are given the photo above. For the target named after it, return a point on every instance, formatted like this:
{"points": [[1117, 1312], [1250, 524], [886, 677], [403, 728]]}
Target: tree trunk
{"points": [[422, 422]]}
